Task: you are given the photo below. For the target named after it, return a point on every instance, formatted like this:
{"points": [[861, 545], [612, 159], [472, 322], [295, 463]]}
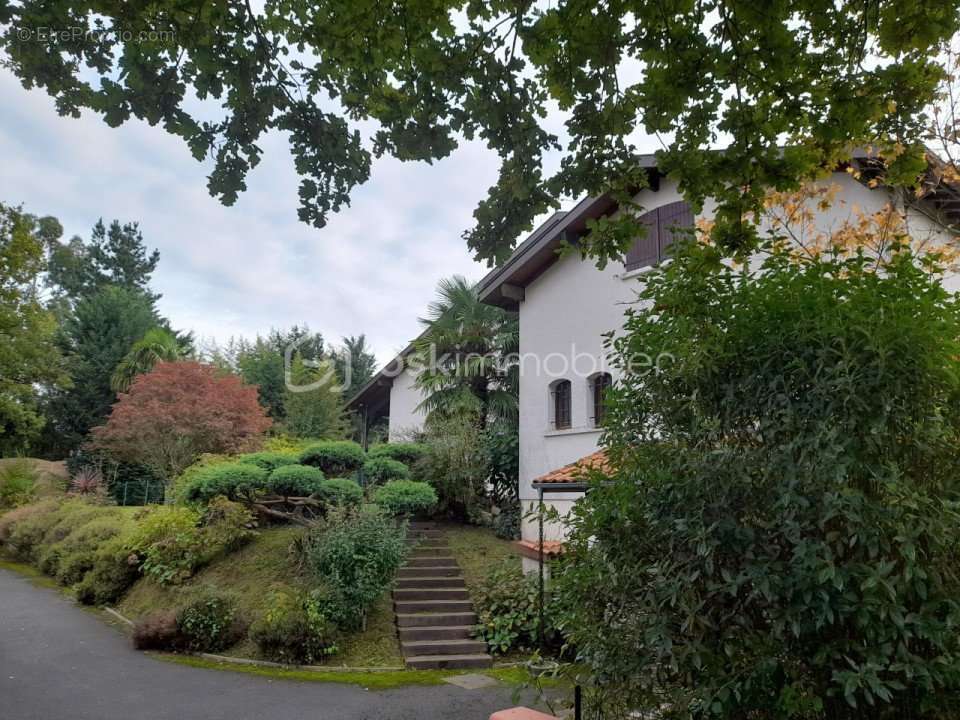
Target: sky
{"points": [[240, 270]]}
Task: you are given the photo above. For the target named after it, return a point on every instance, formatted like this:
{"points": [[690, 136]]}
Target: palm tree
{"points": [[156, 345], [463, 354]]}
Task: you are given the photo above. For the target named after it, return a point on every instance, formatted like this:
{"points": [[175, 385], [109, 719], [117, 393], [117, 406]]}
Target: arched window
{"points": [[560, 398], [599, 385], [660, 223]]}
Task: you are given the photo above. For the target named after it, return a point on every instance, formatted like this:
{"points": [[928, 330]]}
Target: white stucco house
{"points": [[566, 307]]}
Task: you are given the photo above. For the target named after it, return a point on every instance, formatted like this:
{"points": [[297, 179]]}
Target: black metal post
{"points": [[540, 589], [577, 702]]}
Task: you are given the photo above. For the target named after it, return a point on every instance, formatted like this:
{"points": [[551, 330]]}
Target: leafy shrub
{"points": [[208, 624], [77, 551], [354, 556], [455, 464], [294, 481], [185, 480], [340, 492], [232, 480], [14, 519], [406, 498], [114, 570], [283, 443], [157, 631], [294, 630], [335, 458], [506, 525], [379, 470], [169, 542], [42, 524], [18, 483], [406, 452], [269, 461], [507, 609], [226, 526], [780, 536]]}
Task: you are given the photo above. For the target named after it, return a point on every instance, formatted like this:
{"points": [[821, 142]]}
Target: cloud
{"points": [[240, 270]]}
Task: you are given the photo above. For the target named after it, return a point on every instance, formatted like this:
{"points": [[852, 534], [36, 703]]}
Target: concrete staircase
{"points": [[435, 617]]}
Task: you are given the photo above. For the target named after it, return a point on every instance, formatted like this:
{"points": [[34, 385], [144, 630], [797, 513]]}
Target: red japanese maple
{"points": [[179, 410]]}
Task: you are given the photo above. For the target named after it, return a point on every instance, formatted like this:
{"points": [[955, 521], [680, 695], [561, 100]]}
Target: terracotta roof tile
{"points": [[531, 548], [576, 471]]}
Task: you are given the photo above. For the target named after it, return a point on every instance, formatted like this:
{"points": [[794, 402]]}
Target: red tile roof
{"points": [[531, 548], [577, 471]]}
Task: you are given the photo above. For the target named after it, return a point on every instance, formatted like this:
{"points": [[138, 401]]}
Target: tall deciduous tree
{"points": [[178, 411], [29, 355], [464, 356], [818, 76]]}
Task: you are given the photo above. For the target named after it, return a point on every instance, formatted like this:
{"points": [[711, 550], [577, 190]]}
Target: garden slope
{"points": [[248, 576]]}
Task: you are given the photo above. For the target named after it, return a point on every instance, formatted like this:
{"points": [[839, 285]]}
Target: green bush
{"points": [[507, 610], [335, 457], [340, 492], [114, 570], [354, 556], [208, 624], [269, 461], [226, 526], [379, 470], [506, 525], [18, 483], [780, 537], [185, 480], [232, 480], [294, 481], [77, 551], [169, 542], [408, 453], [406, 498], [294, 630]]}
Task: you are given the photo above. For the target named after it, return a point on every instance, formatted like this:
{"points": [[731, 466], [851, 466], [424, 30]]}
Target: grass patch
{"points": [[477, 550], [247, 575], [370, 680], [377, 646]]}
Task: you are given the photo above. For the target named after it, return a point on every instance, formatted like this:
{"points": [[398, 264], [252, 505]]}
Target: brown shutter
{"points": [[645, 250], [672, 215]]}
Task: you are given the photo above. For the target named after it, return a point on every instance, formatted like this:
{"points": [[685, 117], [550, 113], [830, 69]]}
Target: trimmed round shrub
{"points": [[379, 470], [269, 461], [232, 480], [407, 453], [406, 497], [294, 480], [335, 458], [340, 492]]}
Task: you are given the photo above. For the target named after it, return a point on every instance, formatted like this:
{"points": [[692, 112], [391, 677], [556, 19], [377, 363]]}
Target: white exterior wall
{"points": [[565, 313], [405, 419]]}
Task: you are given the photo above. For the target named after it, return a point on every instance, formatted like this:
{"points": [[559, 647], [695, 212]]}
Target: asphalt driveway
{"points": [[59, 661]]}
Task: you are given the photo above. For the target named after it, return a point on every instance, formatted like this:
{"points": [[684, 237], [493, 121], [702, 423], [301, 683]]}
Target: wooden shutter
{"points": [[645, 250], [561, 405], [675, 215]]}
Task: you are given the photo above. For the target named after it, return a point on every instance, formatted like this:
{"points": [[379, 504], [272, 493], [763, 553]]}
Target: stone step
{"points": [[404, 607], [433, 551], [432, 561], [428, 571], [435, 593], [441, 662], [422, 525], [425, 533], [431, 581], [435, 632], [436, 619], [466, 646]]}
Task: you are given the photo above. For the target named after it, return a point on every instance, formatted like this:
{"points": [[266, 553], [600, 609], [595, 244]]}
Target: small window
{"points": [[599, 385], [661, 225], [560, 395]]}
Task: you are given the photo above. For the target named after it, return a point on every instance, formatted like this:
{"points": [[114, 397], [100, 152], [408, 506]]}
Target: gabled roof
{"points": [[504, 285], [375, 393]]}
